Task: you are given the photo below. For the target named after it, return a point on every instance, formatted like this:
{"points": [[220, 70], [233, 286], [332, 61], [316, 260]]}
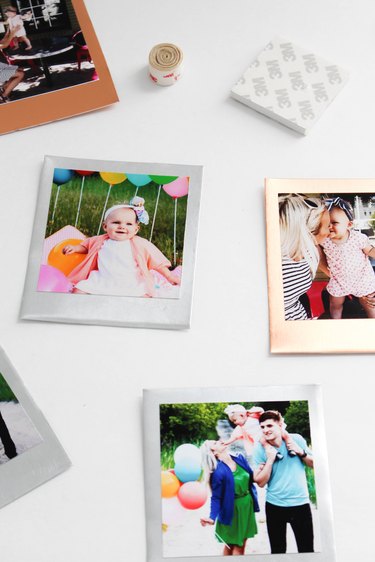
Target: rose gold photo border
{"points": [[69, 101], [309, 336]]}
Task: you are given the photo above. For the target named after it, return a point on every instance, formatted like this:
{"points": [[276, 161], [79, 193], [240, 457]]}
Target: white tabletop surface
{"points": [[87, 379]]}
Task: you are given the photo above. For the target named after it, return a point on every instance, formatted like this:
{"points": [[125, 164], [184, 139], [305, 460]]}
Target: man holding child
{"points": [[282, 468]]}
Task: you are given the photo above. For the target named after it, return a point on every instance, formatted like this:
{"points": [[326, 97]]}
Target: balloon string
{"points": [[55, 205], [174, 231], [221, 540], [136, 191], [104, 208], [80, 200], [154, 217]]}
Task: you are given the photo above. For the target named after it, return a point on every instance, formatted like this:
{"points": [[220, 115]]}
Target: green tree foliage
{"points": [[297, 419], [189, 423], [193, 423], [6, 393]]}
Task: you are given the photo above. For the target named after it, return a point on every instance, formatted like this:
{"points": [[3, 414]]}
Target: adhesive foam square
{"points": [[290, 84]]}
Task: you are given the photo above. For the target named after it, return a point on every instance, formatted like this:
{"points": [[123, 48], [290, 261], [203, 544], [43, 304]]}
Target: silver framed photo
{"points": [[30, 453], [113, 243], [237, 471]]}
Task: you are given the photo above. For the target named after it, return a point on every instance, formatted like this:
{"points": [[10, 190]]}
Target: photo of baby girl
{"points": [[328, 255], [114, 234]]}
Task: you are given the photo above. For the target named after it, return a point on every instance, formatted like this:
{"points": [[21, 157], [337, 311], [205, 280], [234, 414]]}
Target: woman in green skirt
{"points": [[234, 499]]}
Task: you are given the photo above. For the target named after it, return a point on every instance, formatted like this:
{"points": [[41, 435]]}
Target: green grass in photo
{"points": [[94, 195]]}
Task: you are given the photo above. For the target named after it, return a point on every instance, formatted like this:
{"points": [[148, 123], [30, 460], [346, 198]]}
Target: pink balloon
{"points": [[177, 188], [53, 281], [192, 495]]}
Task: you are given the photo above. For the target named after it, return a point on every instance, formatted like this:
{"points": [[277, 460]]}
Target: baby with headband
{"points": [[347, 253], [119, 262], [248, 429]]}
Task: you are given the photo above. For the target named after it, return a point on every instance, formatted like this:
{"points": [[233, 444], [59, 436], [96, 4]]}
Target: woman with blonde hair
{"points": [[304, 224], [234, 498]]}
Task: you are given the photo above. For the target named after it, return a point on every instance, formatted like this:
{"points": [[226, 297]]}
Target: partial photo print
{"points": [[17, 432], [237, 479], [42, 49], [328, 255]]}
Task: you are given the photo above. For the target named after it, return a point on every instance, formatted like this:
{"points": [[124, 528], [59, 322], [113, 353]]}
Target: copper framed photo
{"points": [[236, 471], [114, 243], [321, 262], [51, 63], [30, 453]]}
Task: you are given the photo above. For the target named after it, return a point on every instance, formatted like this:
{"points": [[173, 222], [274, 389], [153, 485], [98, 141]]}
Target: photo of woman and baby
{"points": [[114, 234], [328, 255], [237, 479]]}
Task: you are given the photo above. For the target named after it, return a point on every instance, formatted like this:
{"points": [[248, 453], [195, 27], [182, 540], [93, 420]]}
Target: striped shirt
{"points": [[297, 280], [7, 71]]}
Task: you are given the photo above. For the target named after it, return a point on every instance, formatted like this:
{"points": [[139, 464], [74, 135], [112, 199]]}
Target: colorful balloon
{"points": [[65, 262], [187, 452], [192, 495], [138, 179], [169, 484], [84, 173], [172, 512], [162, 180], [53, 281], [177, 188], [61, 176], [113, 178], [188, 470]]}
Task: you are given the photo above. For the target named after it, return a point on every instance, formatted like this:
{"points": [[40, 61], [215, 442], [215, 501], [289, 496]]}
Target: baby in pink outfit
{"points": [[347, 252], [120, 262]]}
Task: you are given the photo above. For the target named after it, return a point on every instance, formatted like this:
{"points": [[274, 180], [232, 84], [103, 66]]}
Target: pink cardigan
{"points": [[146, 256]]}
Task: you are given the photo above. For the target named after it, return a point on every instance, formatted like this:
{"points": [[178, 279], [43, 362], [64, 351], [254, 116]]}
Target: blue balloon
{"points": [[138, 179], [188, 470], [61, 176]]}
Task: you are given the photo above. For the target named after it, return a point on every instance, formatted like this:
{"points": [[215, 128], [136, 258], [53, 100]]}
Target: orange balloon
{"points": [[65, 262], [170, 484]]}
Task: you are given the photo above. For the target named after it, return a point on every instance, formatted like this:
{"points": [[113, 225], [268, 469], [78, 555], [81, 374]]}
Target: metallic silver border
{"points": [[106, 310], [151, 444], [38, 464]]}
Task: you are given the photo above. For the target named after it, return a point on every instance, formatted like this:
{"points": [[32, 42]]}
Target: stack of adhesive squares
{"points": [[289, 84]]}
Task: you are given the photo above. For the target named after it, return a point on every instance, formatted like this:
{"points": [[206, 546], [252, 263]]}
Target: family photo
{"points": [[116, 234], [17, 432], [328, 255], [42, 49], [237, 478]]}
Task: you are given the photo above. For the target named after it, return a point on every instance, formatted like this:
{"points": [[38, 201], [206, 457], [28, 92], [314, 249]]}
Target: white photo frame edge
{"points": [[152, 398], [39, 464]]}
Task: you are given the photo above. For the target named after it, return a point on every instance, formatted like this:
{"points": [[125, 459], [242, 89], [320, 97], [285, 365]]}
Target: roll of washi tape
{"points": [[165, 63]]}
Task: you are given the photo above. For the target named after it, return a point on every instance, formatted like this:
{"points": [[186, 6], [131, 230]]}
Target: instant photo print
{"points": [[113, 243], [239, 471], [30, 453], [321, 263], [51, 64]]}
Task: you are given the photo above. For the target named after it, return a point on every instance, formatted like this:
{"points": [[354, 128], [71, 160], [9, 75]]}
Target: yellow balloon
{"points": [[65, 262], [112, 177], [169, 484]]}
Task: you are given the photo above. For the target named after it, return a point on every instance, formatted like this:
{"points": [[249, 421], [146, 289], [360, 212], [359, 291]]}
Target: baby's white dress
{"points": [[116, 274], [13, 22]]}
